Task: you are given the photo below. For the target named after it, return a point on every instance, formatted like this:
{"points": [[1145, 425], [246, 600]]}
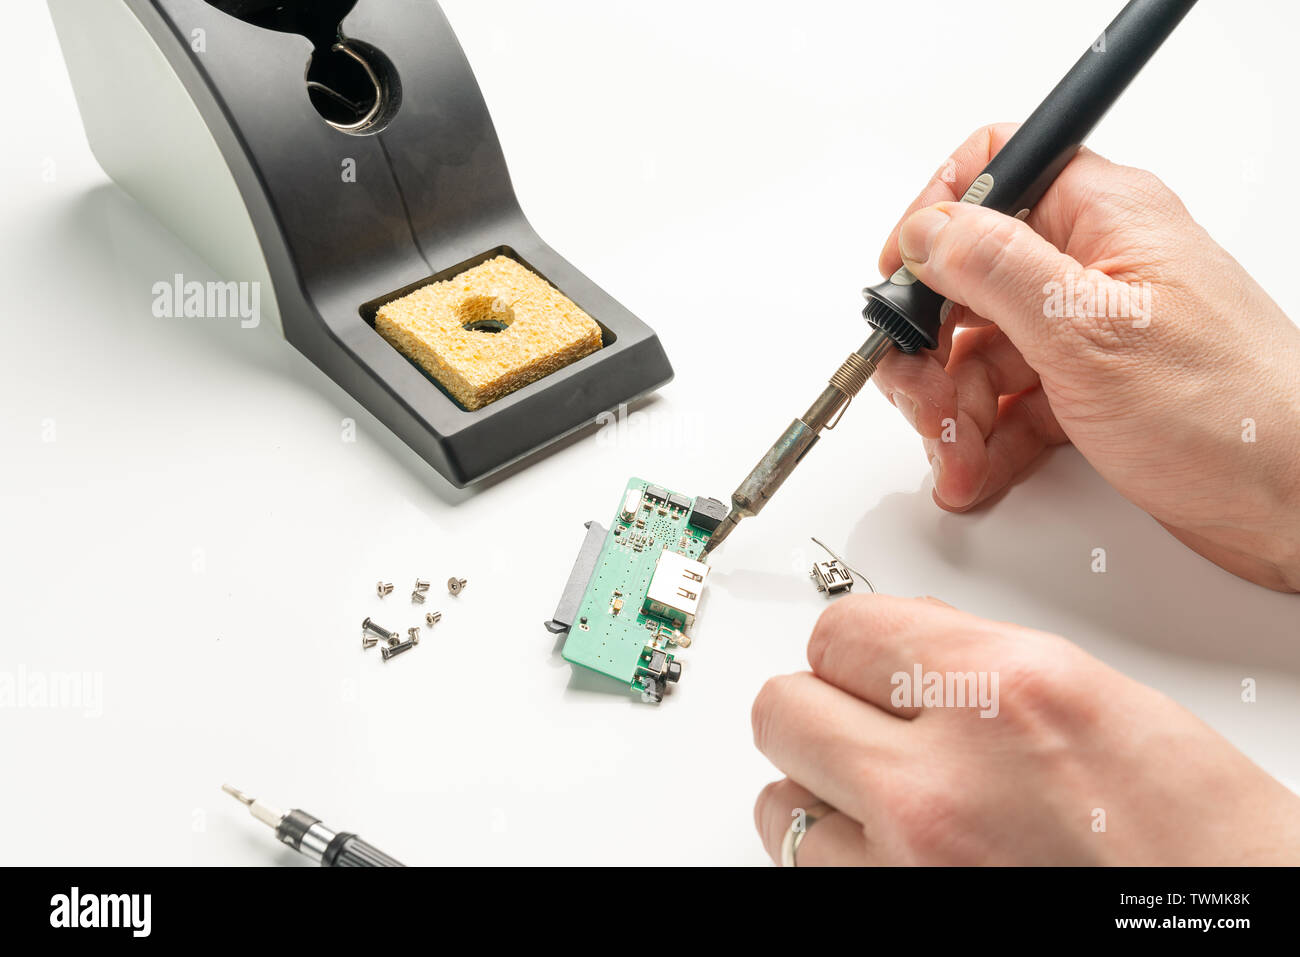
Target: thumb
{"points": [[992, 263]]}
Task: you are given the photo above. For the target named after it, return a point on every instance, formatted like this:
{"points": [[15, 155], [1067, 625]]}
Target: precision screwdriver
{"points": [[904, 313], [312, 839]]}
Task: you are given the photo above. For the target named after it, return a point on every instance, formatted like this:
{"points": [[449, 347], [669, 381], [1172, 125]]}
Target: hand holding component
{"points": [[909, 783]]}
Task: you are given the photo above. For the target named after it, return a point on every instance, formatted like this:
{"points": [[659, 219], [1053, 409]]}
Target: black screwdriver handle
{"points": [[308, 836], [348, 850], [1016, 178]]}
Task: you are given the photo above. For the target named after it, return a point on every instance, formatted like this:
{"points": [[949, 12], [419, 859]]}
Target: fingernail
{"points": [[905, 406], [916, 238], [936, 468]]}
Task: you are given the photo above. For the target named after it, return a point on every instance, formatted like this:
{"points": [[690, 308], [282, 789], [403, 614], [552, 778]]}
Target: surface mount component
{"points": [[835, 576], [635, 589], [707, 513], [832, 577]]}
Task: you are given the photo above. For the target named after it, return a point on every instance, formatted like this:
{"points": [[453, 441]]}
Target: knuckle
{"points": [[1146, 185], [1138, 196], [1033, 688], [767, 706], [856, 619], [981, 140], [763, 806], [830, 623], [1039, 694], [928, 821], [774, 810], [851, 614], [819, 646], [1105, 326]]}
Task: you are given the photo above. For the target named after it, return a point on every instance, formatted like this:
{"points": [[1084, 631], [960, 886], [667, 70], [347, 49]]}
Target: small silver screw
{"points": [[421, 586], [456, 585], [368, 641], [414, 635], [379, 631], [417, 598], [432, 618], [383, 588], [389, 652]]}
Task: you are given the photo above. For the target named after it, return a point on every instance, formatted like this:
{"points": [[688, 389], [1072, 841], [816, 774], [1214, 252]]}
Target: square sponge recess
{"points": [[489, 330]]}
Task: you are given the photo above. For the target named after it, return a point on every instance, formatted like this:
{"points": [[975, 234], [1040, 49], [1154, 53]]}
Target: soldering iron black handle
{"points": [[1016, 178]]}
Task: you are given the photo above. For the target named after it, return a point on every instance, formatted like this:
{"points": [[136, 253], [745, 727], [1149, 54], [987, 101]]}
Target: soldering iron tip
{"points": [[237, 794], [720, 534]]}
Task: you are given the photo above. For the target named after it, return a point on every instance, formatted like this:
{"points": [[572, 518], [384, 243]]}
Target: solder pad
{"points": [[621, 643]]}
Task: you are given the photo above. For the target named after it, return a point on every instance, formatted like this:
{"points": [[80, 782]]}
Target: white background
{"points": [[200, 536]]}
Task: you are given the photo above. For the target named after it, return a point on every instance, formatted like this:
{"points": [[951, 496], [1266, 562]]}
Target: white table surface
{"points": [[198, 535]]}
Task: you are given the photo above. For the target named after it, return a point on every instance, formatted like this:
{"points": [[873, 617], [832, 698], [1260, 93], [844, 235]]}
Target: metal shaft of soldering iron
{"points": [[312, 839], [775, 467], [907, 314]]}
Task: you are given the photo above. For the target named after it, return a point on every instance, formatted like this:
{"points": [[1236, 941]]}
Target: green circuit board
{"points": [[623, 631]]}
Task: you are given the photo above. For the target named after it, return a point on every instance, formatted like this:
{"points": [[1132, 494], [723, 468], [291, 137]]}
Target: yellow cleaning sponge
{"points": [[489, 330]]}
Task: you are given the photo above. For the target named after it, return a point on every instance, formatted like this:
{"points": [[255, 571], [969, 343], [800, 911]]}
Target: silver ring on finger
{"points": [[801, 824]]}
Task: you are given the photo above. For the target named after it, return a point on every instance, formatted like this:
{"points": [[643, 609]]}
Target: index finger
{"points": [[862, 644]]}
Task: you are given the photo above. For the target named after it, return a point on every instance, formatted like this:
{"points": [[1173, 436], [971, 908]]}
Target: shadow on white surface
{"points": [[1155, 592], [266, 847], [752, 585], [114, 242]]}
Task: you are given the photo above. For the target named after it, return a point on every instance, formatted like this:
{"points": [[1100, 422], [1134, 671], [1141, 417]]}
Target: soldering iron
{"points": [[905, 314]]}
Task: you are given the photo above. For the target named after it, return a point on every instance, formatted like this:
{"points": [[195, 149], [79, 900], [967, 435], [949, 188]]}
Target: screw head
{"points": [[455, 585]]}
